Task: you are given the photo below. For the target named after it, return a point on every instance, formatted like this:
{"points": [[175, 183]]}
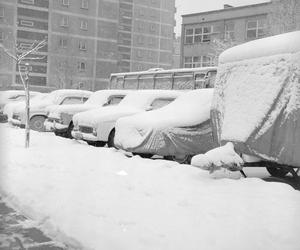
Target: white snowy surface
{"points": [[216, 158], [9, 96], [274, 45], [191, 108], [104, 200]]}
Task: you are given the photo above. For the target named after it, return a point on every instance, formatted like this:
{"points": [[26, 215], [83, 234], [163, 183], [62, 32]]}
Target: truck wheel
{"points": [[277, 171], [111, 137], [37, 123]]}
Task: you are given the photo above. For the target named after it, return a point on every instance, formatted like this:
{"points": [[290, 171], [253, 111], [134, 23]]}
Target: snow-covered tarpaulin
{"points": [[256, 102], [180, 128]]}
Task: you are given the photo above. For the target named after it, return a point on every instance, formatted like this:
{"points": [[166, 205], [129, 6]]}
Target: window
{"points": [[189, 33], [81, 66], [198, 61], [25, 46], [27, 1], [152, 27], [198, 35], [64, 21], [1, 36], [139, 54], [73, 100], [82, 45], [84, 4], [229, 31], [63, 43], [27, 23], [159, 103], [163, 81], [1, 12], [65, 2], [84, 24], [140, 40], [256, 28], [113, 100]]}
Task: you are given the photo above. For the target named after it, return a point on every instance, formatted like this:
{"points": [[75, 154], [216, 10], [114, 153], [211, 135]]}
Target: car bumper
{"points": [[51, 126], [84, 136], [16, 122]]}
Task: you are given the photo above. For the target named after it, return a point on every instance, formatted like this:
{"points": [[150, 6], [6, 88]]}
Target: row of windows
{"points": [[198, 61], [64, 22], [84, 3], [63, 43], [254, 29]]}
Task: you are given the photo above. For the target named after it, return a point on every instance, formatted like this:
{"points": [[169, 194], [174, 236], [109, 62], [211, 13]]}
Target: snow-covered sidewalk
{"points": [[100, 199]]}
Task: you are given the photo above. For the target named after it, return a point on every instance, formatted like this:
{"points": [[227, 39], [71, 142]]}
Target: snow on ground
{"points": [[105, 200]]}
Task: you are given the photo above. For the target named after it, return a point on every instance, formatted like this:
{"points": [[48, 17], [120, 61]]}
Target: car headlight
{"points": [[94, 132]]}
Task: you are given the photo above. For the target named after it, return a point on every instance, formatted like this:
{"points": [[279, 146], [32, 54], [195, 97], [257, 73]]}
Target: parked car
{"points": [[9, 108], [96, 127], [12, 96], [177, 131], [38, 113], [256, 104], [60, 116]]}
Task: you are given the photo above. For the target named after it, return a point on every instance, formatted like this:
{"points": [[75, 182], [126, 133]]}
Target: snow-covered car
{"points": [[96, 126], [256, 106], [177, 131], [12, 96], [38, 108], [9, 108], [60, 116]]}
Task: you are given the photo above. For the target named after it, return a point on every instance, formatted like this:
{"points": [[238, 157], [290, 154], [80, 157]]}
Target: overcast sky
{"points": [[194, 6]]}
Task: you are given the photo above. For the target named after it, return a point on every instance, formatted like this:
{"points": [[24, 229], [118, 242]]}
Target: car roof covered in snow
{"points": [[279, 44], [101, 96]]}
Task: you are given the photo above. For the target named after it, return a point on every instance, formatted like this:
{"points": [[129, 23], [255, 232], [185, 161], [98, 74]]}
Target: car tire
{"points": [[111, 138], [37, 123], [61, 134], [277, 171]]}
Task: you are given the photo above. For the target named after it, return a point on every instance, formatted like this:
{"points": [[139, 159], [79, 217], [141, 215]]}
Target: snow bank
{"points": [[104, 200], [274, 45], [214, 159], [190, 109]]}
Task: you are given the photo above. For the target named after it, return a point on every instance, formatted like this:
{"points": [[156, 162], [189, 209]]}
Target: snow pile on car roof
{"points": [[151, 131], [257, 97]]}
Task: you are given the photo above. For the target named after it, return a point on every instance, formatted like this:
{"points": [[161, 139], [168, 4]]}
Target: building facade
{"points": [[86, 39], [205, 35]]}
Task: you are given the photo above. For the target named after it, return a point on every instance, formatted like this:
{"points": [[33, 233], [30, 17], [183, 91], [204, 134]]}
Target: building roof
{"points": [[226, 9]]}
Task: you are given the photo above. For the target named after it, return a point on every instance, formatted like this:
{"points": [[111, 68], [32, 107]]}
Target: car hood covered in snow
{"points": [[182, 127], [105, 114], [256, 103]]}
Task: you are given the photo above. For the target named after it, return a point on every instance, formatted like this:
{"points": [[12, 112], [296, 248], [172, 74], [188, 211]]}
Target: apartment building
{"points": [[205, 35], [86, 39]]}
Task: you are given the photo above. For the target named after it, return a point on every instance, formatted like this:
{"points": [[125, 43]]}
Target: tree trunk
{"points": [[27, 128]]}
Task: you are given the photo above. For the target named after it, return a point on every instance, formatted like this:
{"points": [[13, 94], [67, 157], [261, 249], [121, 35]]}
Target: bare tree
{"points": [[22, 58], [284, 16], [219, 45]]}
